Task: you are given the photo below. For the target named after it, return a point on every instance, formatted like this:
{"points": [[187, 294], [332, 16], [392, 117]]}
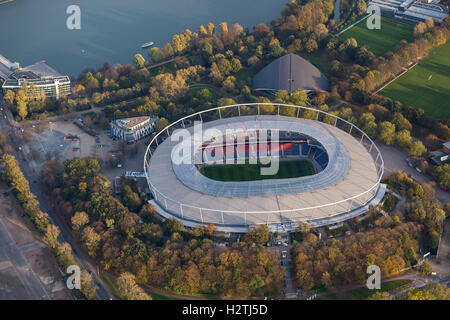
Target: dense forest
{"points": [[164, 255]]}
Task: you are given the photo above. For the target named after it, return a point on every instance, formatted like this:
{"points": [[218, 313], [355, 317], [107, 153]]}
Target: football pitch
{"points": [[427, 85], [252, 172], [382, 40]]}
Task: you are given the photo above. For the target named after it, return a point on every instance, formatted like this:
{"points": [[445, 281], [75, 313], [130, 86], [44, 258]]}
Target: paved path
{"points": [[337, 11], [395, 159]]}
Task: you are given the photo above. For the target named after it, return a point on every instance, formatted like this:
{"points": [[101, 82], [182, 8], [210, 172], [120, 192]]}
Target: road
{"points": [[7, 122], [337, 11]]}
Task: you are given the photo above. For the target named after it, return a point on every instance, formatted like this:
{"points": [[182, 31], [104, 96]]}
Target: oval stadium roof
{"points": [[290, 72]]}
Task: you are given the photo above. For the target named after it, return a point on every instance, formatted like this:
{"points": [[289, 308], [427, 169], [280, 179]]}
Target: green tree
{"points": [[416, 149], [432, 291], [386, 132], [299, 97], [161, 124], [139, 61], [403, 138], [442, 175], [156, 54]]}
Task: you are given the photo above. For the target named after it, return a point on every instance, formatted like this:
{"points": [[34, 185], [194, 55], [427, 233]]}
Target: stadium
{"points": [[327, 169]]}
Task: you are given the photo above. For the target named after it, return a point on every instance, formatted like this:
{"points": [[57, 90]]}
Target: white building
{"points": [[133, 129], [42, 79]]}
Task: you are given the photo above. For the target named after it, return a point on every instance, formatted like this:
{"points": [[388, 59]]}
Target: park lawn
{"points": [[251, 172], [382, 40], [427, 85], [365, 293]]}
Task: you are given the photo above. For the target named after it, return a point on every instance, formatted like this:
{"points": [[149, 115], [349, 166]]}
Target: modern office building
{"points": [[133, 129], [42, 79]]}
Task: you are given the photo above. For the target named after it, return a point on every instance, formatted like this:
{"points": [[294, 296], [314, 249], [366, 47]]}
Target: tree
{"points": [[386, 132], [161, 124], [174, 225], [304, 280], [88, 288], [179, 43], [299, 97], [419, 29], [155, 54], [139, 61], [432, 291], [128, 289], [91, 240], [169, 85], [130, 199], [442, 174], [311, 46], [51, 236], [368, 124], [403, 138], [258, 234], [9, 97], [79, 220], [416, 149], [425, 268], [22, 109], [168, 50]]}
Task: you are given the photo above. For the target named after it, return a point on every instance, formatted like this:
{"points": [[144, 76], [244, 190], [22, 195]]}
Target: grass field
{"points": [[382, 40], [251, 172], [427, 85], [364, 293]]}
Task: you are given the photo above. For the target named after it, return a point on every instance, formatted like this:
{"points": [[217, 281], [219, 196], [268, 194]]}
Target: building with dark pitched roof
{"points": [[290, 72]]}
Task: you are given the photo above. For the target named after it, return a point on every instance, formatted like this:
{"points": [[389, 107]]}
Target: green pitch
{"points": [[251, 172], [427, 85], [382, 40]]}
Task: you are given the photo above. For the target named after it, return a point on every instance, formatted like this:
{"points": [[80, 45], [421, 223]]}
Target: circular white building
{"points": [[347, 165]]}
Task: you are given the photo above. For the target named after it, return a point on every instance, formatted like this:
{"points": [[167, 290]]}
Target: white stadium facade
{"points": [[347, 180]]}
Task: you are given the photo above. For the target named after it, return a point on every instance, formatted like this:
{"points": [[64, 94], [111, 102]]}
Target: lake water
{"points": [[112, 30]]}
